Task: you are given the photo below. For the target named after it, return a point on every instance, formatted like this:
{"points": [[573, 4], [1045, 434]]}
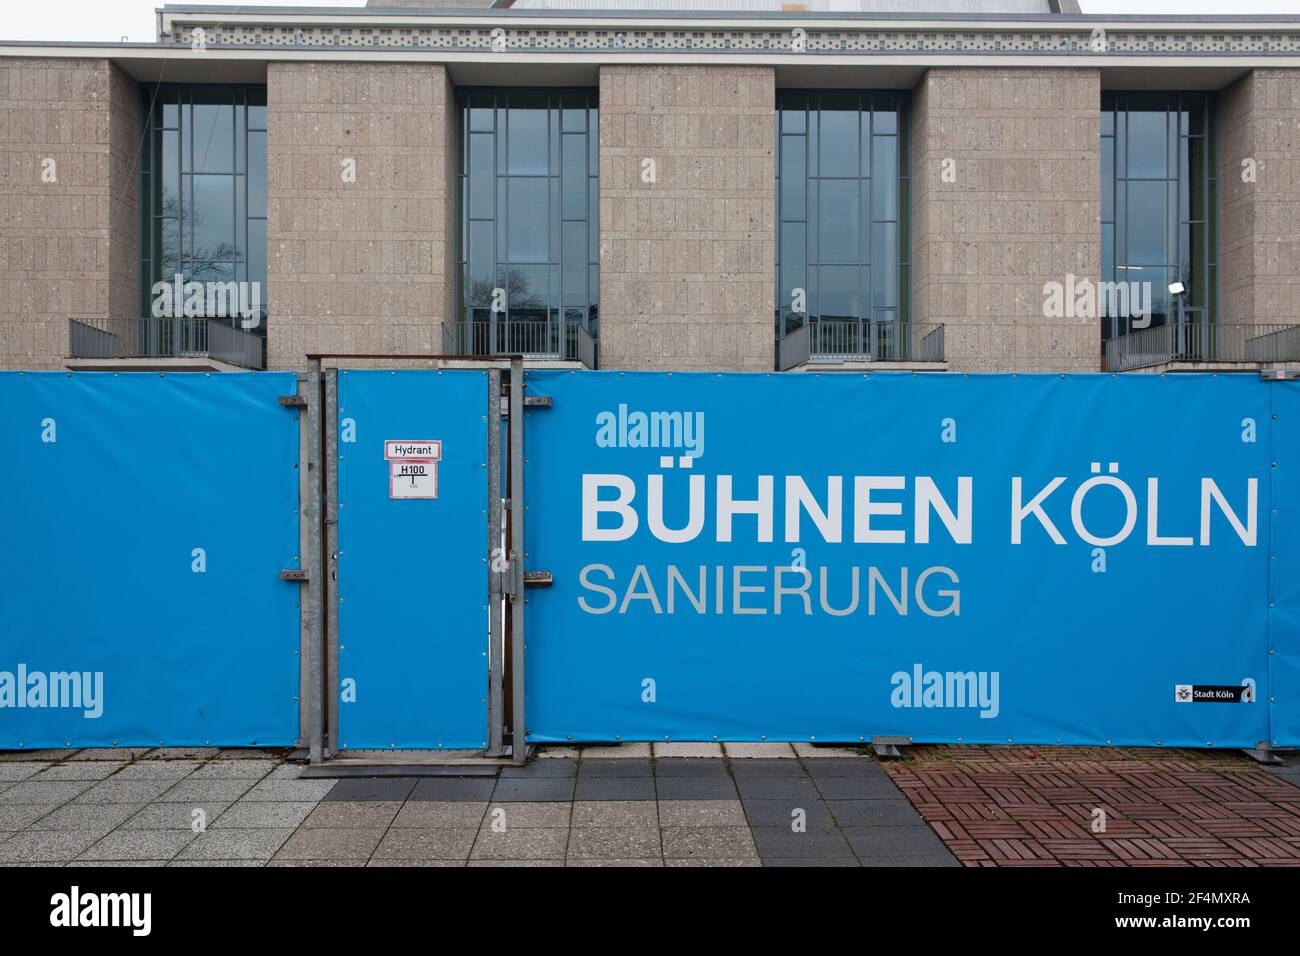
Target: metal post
{"points": [[313, 562], [519, 753], [329, 592], [496, 635]]}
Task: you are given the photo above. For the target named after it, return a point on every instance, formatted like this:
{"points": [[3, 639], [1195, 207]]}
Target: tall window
{"points": [[529, 251], [203, 205], [1158, 221], [842, 241]]}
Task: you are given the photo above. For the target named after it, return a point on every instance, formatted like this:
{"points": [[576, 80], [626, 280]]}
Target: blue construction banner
{"points": [[1078, 559], [412, 559], [146, 519]]}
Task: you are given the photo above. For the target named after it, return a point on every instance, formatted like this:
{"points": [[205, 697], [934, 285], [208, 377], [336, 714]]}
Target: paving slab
{"points": [[559, 767], [16, 770], [139, 845], [34, 790], [175, 816], [599, 861], [68, 770], [515, 863], [46, 756], [766, 812], [250, 844], [639, 814], [451, 814], [332, 843], [825, 752], [104, 817], [118, 754], [915, 842], [354, 789], [701, 813], [114, 790], [260, 814], [374, 862], [234, 769], [749, 861], [782, 843], [47, 846], [857, 788], [349, 813], [19, 816], [157, 770], [542, 814], [708, 843], [197, 792], [690, 767], [612, 788], [710, 787], [279, 791], [618, 843], [521, 844], [869, 813], [604, 767], [443, 843], [628, 751], [451, 789], [689, 750], [752, 751], [534, 789]]}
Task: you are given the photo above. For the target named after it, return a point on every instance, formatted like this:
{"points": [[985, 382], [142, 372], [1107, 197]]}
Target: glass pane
{"points": [[171, 170], [480, 112], [214, 139], [885, 122], [839, 233], [839, 136], [573, 177], [574, 114], [526, 221], [793, 265], [1148, 147], [526, 289], [573, 263], [1147, 223], [884, 253], [213, 220], [480, 176], [257, 174], [794, 178], [257, 254], [480, 269], [884, 185], [793, 116], [528, 142], [841, 296]]}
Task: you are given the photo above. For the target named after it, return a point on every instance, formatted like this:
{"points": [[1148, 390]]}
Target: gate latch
{"points": [[537, 401], [293, 574], [293, 401], [538, 579]]}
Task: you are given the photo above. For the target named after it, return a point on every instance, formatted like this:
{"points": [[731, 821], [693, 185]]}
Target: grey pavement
{"points": [[633, 805]]}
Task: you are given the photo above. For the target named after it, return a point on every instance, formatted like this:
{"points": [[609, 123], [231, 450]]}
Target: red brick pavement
{"points": [[1034, 806]]}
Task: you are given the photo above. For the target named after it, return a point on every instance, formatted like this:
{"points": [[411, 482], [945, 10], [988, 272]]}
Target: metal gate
{"points": [[411, 655]]}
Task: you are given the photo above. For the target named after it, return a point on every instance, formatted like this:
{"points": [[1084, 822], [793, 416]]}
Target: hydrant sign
{"points": [[412, 468]]}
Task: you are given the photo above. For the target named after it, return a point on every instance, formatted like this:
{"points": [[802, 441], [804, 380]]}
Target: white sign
{"points": [[412, 468]]}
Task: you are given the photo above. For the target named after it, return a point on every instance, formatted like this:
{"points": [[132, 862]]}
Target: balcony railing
{"points": [[165, 338], [1202, 342], [534, 339], [844, 341]]}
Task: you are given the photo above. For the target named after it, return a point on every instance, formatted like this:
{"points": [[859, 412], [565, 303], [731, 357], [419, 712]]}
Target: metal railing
{"points": [[170, 338], [840, 340], [1209, 342], [534, 339]]}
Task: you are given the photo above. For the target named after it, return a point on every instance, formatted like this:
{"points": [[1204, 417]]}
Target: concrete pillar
{"points": [[364, 266], [1259, 199], [1020, 207], [69, 206], [686, 259]]}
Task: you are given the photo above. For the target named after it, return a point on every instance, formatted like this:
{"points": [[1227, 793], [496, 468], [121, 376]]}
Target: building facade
{"points": [[1007, 185]]}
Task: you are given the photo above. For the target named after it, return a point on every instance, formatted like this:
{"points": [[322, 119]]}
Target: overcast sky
{"points": [[134, 19]]}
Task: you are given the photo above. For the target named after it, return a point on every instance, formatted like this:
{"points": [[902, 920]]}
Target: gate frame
{"points": [[320, 513]]}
